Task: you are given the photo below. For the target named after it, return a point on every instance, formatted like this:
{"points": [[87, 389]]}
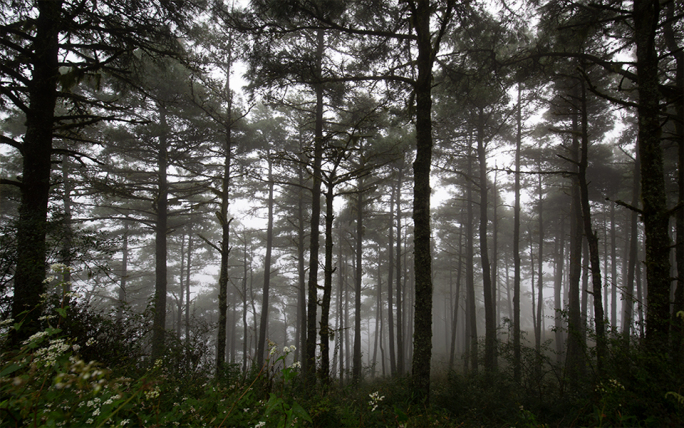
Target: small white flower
{"points": [[296, 365], [91, 342], [260, 424], [246, 410], [90, 421], [272, 351]]}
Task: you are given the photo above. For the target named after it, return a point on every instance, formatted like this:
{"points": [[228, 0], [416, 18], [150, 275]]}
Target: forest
{"points": [[328, 213]]}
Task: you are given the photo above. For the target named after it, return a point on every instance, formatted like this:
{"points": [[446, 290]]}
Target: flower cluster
{"points": [[289, 349], [375, 400]]}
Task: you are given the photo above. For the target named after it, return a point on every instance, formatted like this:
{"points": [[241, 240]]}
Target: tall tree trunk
{"points": [[557, 290], [378, 312], [301, 271], [187, 289], [574, 363], [454, 320], [161, 229], [676, 51], [245, 327], [591, 237], [427, 48], [261, 351], [655, 214], [310, 360], [327, 283], [471, 347], [181, 279], [35, 182], [400, 336], [124, 271], [358, 275], [613, 268], [540, 267], [490, 322], [65, 253], [390, 281], [225, 226], [516, 247]]}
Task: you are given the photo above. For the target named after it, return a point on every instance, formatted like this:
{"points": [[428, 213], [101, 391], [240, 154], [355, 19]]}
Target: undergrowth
{"points": [[88, 370]]}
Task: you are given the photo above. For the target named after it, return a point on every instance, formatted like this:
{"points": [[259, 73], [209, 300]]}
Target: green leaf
{"points": [[300, 412], [62, 312], [9, 369]]}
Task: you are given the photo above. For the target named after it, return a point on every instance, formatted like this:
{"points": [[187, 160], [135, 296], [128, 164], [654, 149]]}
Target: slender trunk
{"points": [[574, 363], [327, 283], [310, 360], [470, 274], [591, 237], [67, 229], [390, 281], [400, 322], [557, 290], [378, 312], [454, 320], [187, 289], [181, 278], [225, 226], [122, 301], [261, 351], [245, 327], [356, 363], [161, 229], [516, 247], [628, 300], [301, 272], [490, 322], [540, 266]]}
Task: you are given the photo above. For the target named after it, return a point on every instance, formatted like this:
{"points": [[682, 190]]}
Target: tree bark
{"points": [[327, 283], [35, 187], [591, 237], [161, 229], [400, 336], [646, 14], [516, 247], [490, 322], [261, 348], [358, 276], [310, 360]]}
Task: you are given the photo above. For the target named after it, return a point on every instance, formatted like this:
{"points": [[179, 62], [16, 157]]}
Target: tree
{"points": [[51, 46]]}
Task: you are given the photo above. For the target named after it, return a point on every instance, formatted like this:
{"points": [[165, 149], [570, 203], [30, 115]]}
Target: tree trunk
{"points": [[358, 274], [653, 196], [161, 229], [574, 363], [516, 247], [187, 289], [558, 291], [225, 227], [490, 322], [591, 237], [261, 351], [124, 272], [471, 347], [327, 283], [454, 320], [675, 49], [310, 360], [400, 322], [390, 281], [35, 187]]}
